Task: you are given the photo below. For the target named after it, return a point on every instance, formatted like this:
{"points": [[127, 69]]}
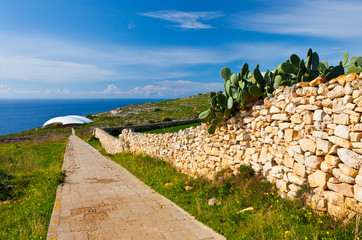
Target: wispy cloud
{"points": [[131, 25], [9, 91], [163, 89], [185, 20], [323, 18], [43, 70]]}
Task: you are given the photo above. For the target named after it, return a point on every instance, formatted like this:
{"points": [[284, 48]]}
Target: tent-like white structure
{"points": [[68, 120]]}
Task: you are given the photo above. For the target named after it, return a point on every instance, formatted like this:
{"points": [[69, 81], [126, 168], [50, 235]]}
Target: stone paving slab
{"points": [[102, 200]]}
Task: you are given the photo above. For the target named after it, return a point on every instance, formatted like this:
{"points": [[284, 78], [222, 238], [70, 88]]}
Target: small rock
{"points": [[168, 184], [213, 201], [247, 209], [189, 188]]}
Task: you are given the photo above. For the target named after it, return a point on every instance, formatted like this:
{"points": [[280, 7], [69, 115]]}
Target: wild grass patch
{"points": [[30, 173]]}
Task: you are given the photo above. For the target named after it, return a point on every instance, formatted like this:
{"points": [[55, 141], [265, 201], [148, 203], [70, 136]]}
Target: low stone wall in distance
{"points": [[309, 133]]}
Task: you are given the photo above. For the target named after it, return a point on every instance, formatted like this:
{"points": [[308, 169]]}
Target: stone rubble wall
{"points": [[310, 133], [109, 143]]}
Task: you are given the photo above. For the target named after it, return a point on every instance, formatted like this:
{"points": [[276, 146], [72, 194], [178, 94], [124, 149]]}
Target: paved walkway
{"points": [[102, 200]]}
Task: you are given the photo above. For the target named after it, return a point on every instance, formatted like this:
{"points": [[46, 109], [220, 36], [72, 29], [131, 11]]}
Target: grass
{"points": [[31, 172], [172, 129], [273, 217], [155, 112]]}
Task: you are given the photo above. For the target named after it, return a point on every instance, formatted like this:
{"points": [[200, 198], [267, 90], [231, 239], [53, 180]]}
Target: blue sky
{"points": [[160, 49]]}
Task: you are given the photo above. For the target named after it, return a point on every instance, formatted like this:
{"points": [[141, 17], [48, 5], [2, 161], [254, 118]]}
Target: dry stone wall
{"points": [[310, 133]]}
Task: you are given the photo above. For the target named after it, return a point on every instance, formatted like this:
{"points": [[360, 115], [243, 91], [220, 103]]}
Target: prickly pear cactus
{"points": [[239, 87]]}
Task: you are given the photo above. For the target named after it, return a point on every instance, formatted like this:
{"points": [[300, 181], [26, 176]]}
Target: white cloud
{"points": [[323, 18], [185, 20], [164, 89], [112, 89]]}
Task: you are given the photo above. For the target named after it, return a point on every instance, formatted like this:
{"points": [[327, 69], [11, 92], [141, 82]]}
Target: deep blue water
{"points": [[18, 115]]}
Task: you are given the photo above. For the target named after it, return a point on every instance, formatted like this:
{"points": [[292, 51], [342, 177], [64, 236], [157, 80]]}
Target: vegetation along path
{"points": [[102, 200]]}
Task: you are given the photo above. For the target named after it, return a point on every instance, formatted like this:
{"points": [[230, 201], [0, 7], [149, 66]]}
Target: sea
{"points": [[17, 115]]}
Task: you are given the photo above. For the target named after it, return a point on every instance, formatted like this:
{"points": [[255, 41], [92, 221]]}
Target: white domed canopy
{"points": [[68, 120]]}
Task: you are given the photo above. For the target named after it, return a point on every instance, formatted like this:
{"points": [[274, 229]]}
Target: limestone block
{"points": [[227, 137], [354, 119], [256, 166], [348, 89], [290, 135], [319, 203], [337, 91], [309, 107], [355, 136], [322, 90], [313, 161], [350, 106], [225, 163], [323, 145], [320, 134], [337, 106], [326, 167], [342, 131], [269, 129], [297, 179], [342, 188], [358, 192], [281, 117], [290, 108], [307, 145], [341, 119], [336, 211], [264, 111], [274, 109], [347, 170], [277, 171], [282, 185], [350, 158], [296, 148], [248, 119], [296, 118], [267, 167], [307, 117], [307, 91], [288, 160], [344, 143], [358, 101], [335, 198], [356, 93], [284, 125], [299, 158], [318, 115], [318, 179], [215, 151], [342, 177]]}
